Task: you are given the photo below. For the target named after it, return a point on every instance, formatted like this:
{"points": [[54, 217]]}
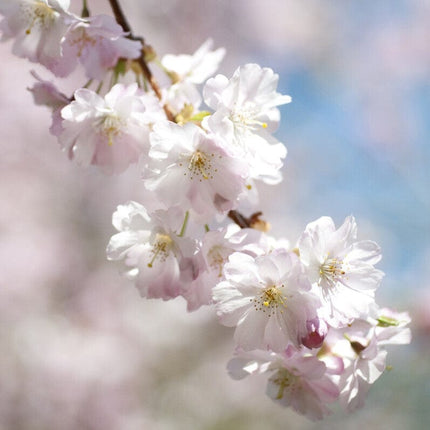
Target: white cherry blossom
{"points": [[340, 268], [194, 170], [154, 255], [268, 300], [195, 68], [245, 115]]}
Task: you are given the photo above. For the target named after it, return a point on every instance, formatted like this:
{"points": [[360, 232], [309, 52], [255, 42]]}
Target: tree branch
{"points": [[122, 21]]}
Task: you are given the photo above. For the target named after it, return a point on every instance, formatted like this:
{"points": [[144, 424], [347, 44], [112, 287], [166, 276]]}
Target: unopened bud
{"points": [[317, 331]]}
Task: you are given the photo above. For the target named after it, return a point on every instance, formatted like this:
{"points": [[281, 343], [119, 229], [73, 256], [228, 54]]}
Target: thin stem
{"points": [[119, 16], [122, 21], [85, 11], [184, 225], [99, 87], [88, 83]]}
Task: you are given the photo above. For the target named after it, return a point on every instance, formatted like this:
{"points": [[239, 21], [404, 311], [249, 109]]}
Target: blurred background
{"points": [[81, 350]]}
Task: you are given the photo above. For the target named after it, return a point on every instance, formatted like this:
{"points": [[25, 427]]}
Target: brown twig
{"points": [[122, 21], [253, 221]]}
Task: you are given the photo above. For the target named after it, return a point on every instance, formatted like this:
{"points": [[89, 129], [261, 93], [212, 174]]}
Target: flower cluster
{"points": [[303, 313]]}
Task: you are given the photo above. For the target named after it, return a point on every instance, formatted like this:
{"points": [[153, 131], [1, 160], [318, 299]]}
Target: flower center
{"points": [[332, 271], [110, 125], [217, 256], [38, 13], [245, 118], [270, 300], [285, 381], [81, 40], [161, 248], [200, 165]]}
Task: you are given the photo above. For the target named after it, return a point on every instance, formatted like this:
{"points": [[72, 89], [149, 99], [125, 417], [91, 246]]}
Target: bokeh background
{"points": [[79, 348]]}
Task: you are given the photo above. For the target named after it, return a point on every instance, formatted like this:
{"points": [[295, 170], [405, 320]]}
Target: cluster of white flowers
{"points": [[304, 313]]}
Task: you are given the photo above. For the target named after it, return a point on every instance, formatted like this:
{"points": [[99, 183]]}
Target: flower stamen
{"points": [[200, 165], [38, 13], [162, 245], [270, 299]]}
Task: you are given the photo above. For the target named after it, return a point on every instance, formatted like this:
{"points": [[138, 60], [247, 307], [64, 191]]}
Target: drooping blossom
{"points": [[245, 116], [340, 268], [45, 93], [156, 258], [298, 379], [268, 300], [38, 27], [194, 170], [111, 131], [97, 43]]}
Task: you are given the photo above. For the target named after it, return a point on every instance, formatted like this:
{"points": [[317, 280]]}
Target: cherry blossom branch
{"points": [[122, 21]]}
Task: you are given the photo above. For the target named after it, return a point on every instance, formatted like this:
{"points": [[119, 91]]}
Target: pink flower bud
{"points": [[317, 331]]}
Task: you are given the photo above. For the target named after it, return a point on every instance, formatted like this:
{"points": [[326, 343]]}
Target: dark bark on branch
{"points": [[244, 222]]}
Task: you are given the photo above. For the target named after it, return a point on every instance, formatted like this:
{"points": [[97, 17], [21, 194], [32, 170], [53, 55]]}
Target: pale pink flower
{"points": [[110, 132], [298, 379], [194, 170], [38, 27], [97, 43], [267, 298], [195, 68], [45, 93], [183, 96], [153, 253], [214, 251], [364, 361], [245, 115], [340, 268]]}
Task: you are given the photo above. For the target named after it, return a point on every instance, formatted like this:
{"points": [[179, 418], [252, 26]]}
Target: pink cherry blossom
{"points": [[45, 93], [38, 27], [268, 300], [153, 253], [111, 131], [298, 379], [194, 170], [97, 43], [215, 249]]}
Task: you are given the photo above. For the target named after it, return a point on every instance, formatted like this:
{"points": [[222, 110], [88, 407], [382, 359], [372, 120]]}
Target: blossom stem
{"points": [[184, 225], [85, 11], [122, 21]]}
